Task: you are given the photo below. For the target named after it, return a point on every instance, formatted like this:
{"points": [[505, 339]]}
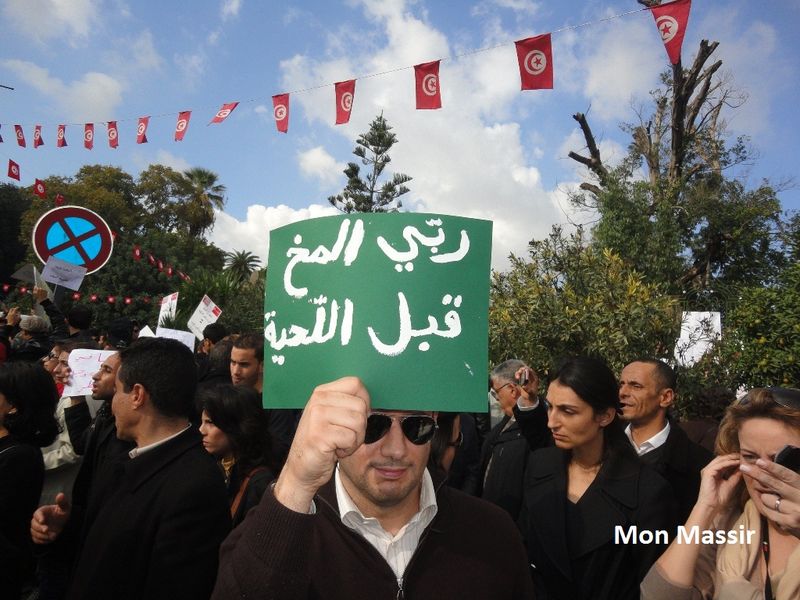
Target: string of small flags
{"points": [[534, 58]]}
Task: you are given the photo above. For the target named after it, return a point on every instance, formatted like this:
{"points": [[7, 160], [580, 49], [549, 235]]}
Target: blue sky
{"points": [[491, 152]]}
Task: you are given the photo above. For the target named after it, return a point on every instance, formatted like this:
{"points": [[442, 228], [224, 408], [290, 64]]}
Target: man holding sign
{"points": [[355, 513]]}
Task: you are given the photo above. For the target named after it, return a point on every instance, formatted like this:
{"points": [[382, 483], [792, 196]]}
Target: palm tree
{"points": [[241, 264], [201, 195]]}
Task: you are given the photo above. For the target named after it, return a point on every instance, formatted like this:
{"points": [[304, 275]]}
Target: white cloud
{"points": [[191, 66], [470, 159], [230, 9], [317, 163], [252, 234], [41, 20], [95, 96], [163, 157], [144, 53]]}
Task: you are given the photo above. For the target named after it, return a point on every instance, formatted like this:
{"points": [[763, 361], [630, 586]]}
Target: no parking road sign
{"points": [[74, 234]]}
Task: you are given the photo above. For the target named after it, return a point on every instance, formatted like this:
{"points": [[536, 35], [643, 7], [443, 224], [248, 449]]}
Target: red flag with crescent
{"points": [[39, 189], [13, 170], [37, 136], [223, 112], [20, 135], [60, 199], [88, 136], [76, 295], [671, 20], [113, 134], [141, 130], [428, 91], [535, 57], [137, 253], [280, 110], [182, 125], [345, 92], [61, 138]]}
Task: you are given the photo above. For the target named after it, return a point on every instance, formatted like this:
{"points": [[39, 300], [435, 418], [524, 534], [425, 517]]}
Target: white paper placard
{"points": [[61, 272], [206, 313], [83, 364], [169, 306], [184, 337]]}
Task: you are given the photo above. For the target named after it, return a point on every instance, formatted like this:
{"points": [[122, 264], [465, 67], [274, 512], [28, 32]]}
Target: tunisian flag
{"points": [[223, 112], [60, 199], [141, 130], [280, 110], [39, 189], [428, 91], [345, 91], [61, 138], [182, 125], [37, 136], [671, 20], [88, 136], [20, 135], [113, 134], [535, 56], [13, 170]]}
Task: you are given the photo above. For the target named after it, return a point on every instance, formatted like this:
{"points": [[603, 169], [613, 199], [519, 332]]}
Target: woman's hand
{"points": [[782, 483], [718, 480]]}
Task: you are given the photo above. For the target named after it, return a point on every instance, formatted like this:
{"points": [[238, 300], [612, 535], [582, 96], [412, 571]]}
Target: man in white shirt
{"points": [[356, 514], [646, 391]]}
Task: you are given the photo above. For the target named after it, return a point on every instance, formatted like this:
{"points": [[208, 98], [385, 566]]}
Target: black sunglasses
{"points": [[786, 397], [418, 429]]}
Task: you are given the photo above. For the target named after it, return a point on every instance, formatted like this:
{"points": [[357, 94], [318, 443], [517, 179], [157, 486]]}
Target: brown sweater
{"points": [[471, 550]]}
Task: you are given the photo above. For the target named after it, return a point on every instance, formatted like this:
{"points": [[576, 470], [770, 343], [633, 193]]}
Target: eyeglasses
{"points": [[786, 397], [496, 392], [459, 441], [418, 429]]}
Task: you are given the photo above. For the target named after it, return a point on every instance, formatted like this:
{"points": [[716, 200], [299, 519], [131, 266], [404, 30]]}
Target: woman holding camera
{"points": [[580, 492], [750, 500]]}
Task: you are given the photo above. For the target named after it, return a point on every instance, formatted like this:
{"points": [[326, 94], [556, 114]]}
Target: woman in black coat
{"points": [[584, 497], [28, 400], [235, 430]]}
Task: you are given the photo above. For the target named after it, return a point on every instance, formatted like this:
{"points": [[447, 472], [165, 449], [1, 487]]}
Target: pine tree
{"points": [[367, 195]]}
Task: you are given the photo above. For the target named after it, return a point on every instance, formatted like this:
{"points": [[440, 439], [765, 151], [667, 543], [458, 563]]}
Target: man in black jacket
{"points": [[153, 521], [646, 391]]}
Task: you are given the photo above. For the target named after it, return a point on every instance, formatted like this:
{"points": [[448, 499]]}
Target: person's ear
{"points": [[605, 417], [667, 397]]}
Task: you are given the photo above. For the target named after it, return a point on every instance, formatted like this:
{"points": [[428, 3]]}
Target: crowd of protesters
{"points": [[171, 481]]}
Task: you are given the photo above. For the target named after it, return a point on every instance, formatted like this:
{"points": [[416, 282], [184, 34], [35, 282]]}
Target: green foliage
{"points": [[570, 298], [367, 195], [201, 194], [241, 264], [13, 203]]}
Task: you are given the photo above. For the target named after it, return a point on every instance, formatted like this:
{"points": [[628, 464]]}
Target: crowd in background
{"points": [[129, 492]]}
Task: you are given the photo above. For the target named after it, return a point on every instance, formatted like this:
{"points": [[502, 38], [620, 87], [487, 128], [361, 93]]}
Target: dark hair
{"points": [[237, 411], [441, 439], [254, 341], [665, 376], [31, 390], [215, 332], [80, 316], [166, 369], [219, 358], [69, 345], [594, 383]]}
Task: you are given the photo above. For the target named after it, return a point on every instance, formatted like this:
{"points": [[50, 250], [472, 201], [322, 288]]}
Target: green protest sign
{"points": [[400, 300]]}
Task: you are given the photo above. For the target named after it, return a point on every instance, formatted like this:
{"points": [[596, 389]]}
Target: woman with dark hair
{"points": [[581, 494], [445, 442], [28, 400], [236, 431]]}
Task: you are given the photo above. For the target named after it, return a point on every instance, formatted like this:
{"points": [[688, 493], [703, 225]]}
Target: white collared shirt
{"points": [[396, 550], [139, 451], [651, 444]]}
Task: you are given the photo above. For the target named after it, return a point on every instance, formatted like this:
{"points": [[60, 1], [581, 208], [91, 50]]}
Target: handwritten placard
{"points": [[401, 300], [169, 306], [205, 314], [60, 272], [83, 364]]}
